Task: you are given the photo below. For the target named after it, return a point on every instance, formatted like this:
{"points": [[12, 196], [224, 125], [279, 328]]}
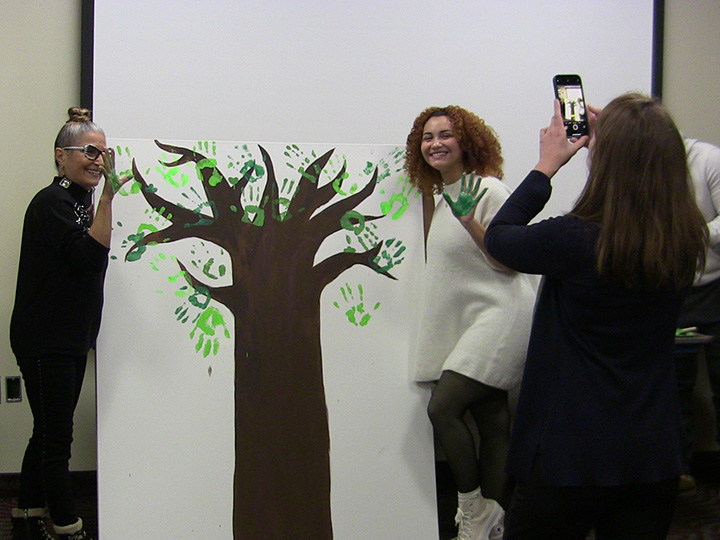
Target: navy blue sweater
{"points": [[59, 293], [598, 402]]}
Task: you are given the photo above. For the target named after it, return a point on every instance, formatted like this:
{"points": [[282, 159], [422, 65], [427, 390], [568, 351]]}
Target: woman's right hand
{"points": [[555, 148]]}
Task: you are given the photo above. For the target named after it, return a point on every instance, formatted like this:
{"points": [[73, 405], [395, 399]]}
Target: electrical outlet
{"points": [[13, 389]]}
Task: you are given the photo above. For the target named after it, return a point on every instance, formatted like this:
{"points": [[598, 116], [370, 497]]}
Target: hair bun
{"points": [[78, 114]]}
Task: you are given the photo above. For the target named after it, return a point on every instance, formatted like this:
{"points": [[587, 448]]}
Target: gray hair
{"points": [[80, 122]]}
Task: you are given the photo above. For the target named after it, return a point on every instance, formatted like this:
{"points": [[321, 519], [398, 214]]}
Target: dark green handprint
{"points": [[468, 197]]}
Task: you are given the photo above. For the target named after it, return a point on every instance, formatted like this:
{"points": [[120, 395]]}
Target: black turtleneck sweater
{"points": [[59, 293]]}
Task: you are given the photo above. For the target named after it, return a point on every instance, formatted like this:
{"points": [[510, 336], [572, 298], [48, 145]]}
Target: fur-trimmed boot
{"points": [[29, 524], [73, 531], [479, 518]]}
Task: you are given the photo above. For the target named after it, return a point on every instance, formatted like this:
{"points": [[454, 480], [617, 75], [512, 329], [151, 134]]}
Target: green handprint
{"points": [[468, 197], [363, 230], [400, 198], [251, 200], [281, 206], [387, 260], [206, 325], [356, 313], [130, 187]]}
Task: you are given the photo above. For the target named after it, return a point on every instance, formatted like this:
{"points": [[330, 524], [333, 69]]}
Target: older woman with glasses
{"points": [[56, 317]]}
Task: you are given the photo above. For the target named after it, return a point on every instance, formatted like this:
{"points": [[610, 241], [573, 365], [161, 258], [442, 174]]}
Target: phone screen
{"points": [[568, 89]]}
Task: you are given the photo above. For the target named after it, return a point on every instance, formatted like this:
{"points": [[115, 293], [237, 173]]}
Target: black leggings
{"points": [[452, 398], [53, 385]]}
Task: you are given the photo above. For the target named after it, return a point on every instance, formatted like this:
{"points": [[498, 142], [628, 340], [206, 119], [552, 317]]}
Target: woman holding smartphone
{"points": [[596, 442]]}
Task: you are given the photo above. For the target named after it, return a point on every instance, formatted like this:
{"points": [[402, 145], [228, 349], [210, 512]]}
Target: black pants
{"points": [[638, 512], [686, 364], [52, 385]]}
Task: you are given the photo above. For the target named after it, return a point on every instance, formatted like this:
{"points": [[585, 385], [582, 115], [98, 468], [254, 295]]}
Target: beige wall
{"points": [[691, 76], [691, 90], [40, 44], [40, 67]]}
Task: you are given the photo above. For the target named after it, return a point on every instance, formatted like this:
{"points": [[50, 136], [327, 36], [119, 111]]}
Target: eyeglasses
{"points": [[91, 151]]}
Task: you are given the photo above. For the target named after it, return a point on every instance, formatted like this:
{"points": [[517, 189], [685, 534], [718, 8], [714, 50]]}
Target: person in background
{"points": [[56, 317], [701, 309], [596, 442], [475, 314]]}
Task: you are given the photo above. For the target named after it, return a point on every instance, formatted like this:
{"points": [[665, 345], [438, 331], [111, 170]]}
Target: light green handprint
{"points": [[398, 198], [207, 325], [170, 174], [468, 197], [130, 187], [355, 313]]}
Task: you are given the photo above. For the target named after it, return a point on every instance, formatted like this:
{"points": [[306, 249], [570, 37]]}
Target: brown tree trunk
{"points": [[282, 448]]}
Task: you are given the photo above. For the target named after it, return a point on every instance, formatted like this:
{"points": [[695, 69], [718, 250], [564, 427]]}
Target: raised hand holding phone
{"points": [[555, 148]]}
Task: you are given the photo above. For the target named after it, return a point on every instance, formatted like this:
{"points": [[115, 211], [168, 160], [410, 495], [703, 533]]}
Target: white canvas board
{"points": [[166, 430]]}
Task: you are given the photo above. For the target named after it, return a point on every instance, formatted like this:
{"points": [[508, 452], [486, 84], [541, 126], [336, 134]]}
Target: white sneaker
{"points": [[497, 531], [480, 519]]}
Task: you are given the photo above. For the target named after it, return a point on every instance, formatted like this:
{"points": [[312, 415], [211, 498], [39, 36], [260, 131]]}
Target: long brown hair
{"points": [[478, 142], [652, 234]]}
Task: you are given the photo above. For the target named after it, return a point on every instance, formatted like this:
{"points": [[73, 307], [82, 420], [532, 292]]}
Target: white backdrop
{"points": [[327, 73]]}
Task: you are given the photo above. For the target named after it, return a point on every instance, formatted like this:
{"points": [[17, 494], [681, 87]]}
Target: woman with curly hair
{"points": [[475, 313]]}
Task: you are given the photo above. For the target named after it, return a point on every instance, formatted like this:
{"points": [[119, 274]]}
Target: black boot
{"points": [[72, 532], [29, 524]]}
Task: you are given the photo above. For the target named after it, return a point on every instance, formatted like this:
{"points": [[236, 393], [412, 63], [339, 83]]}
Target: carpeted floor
{"points": [[697, 516]]}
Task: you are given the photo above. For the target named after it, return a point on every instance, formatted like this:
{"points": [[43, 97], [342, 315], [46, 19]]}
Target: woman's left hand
{"points": [[112, 181], [468, 198]]}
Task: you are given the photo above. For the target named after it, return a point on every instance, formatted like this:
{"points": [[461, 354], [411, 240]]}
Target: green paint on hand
{"points": [[468, 197]]}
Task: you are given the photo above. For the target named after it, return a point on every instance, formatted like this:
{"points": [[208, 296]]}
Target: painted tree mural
{"points": [[272, 230]]}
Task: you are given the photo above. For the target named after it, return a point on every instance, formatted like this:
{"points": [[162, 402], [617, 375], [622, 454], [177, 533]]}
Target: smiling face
{"points": [[76, 167], [441, 150]]}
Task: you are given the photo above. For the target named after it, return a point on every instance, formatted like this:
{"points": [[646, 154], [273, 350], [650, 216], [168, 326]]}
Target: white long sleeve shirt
{"points": [[704, 165]]}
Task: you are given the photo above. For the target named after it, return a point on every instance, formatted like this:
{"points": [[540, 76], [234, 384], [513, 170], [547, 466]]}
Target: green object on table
{"points": [[685, 332]]}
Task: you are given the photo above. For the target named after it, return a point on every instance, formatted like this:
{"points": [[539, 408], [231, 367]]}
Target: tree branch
{"points": [[216, 187], [329, 220], [227, 295], [306, 196], [333, 266]]}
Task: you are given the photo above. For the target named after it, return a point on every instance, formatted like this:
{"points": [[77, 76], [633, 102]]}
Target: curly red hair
{"points": [[478, 142]]}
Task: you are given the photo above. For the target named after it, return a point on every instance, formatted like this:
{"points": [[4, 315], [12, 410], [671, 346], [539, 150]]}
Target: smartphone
{"points": [[569, 90]]}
